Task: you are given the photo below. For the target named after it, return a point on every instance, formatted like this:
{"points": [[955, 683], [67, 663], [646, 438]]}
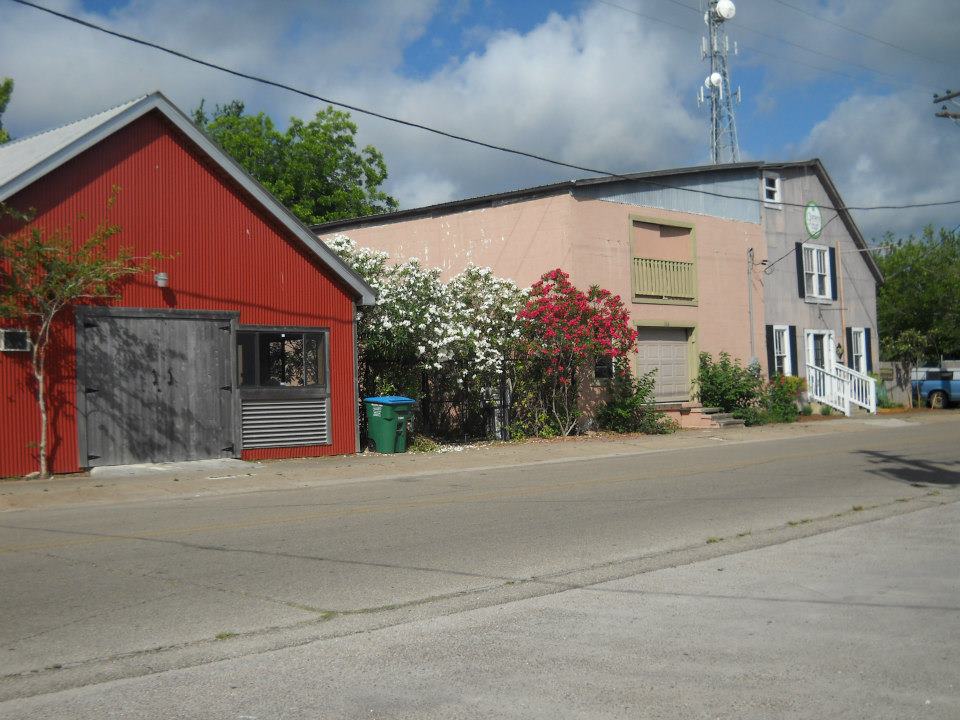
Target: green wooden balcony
{"points": [[668, 281]]}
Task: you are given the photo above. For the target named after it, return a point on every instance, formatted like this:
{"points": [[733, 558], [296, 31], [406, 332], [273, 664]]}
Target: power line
{"points": [[775, 38], [892, 78], [862, 34], [436, 131], [767, 270]]}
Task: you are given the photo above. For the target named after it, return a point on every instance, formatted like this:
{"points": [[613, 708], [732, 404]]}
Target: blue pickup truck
{"points": [[938, 388]]}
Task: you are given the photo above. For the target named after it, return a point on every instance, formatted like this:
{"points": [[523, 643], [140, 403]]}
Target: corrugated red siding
{"points": [[228, 255]]}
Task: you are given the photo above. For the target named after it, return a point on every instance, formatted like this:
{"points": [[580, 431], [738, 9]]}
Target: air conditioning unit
{"points": [[14, 340]]}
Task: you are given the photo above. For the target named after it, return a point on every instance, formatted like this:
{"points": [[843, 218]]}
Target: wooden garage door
{"points": [[665, 350], [154, 389]]}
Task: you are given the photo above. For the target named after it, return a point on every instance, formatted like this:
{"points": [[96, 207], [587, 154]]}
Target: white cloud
{"points": [[888, 150], [420, 189], [64, 71], [601, 87]]}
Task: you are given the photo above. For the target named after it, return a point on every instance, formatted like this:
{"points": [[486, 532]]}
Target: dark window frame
{"points": [[603, 368], [273, 392], [11, 346]]}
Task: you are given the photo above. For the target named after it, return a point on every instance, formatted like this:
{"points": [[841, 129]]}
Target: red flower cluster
{"points": [[564, 327]]}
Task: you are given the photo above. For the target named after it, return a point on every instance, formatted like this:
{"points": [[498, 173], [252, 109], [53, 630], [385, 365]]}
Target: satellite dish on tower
{"points": [[725, 9], [715, 48]]}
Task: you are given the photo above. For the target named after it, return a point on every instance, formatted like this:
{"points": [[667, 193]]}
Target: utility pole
{"points": [[753, 342], [724, 146], [951, 97]]}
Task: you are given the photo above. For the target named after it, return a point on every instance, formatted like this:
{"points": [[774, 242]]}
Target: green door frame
{"points": [[693, 356]]}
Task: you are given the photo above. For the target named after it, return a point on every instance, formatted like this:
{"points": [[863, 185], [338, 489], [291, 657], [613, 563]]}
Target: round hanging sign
{"points": [[812, 219]]}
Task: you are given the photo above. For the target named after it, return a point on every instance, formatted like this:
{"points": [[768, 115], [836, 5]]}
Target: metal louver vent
{"points": [[284, 423]]}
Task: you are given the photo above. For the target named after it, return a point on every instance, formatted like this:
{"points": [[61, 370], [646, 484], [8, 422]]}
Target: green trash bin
{"points": [[387, 422]]}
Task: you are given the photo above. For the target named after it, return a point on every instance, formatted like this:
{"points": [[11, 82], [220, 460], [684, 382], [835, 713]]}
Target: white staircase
{"points": [[842, 388]]}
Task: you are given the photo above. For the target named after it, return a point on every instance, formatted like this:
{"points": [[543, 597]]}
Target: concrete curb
{"points": [[173, 481]]}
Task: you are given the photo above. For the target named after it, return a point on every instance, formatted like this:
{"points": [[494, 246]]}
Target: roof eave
{"points": [[846, 217], [521, 194], [364, 294]]}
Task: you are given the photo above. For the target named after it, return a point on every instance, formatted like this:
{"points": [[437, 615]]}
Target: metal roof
{"points": [[18, 157], [654, 177], [523, 194], [25, 161]]}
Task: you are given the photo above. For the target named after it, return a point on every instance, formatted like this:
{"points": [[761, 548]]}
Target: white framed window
{"points": [[816, 271], [771, 190], [781, 351], [14, 340], [858, 344]]}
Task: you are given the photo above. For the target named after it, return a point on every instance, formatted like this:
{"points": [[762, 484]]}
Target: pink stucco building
{"points": [[687, 249], [683, 274]]}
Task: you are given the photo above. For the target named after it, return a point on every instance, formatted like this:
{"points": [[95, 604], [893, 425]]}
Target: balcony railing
{"points": [[669, 280]]}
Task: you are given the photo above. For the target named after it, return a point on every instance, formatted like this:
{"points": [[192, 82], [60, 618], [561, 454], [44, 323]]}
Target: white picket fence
{"points": [[842, 388]]}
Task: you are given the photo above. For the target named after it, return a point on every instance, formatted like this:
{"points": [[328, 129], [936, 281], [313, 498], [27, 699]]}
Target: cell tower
{"points": [[724, 146]]}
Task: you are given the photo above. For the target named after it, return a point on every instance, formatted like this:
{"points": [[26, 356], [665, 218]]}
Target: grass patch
{"points": [[712, 540], [857, 508], [744, 534], [225, 635]]}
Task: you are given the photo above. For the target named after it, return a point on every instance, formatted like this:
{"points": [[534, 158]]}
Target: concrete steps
{"points": [[691, 416], [721, 419]]}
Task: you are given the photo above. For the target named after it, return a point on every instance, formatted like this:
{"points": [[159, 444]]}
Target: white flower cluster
{"points": [[458, 331]]}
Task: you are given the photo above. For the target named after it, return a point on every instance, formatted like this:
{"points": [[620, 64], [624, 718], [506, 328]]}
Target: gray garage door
{"points": [[665, 350], [154, 389]]}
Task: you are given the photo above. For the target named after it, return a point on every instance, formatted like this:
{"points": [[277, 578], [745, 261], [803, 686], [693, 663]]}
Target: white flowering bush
{"points": [[443, 343]]}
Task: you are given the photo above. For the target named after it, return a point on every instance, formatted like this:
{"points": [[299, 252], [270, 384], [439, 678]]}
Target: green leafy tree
{"points": [[921, 292], [909, 349], [44, 273], [726, 384], [314, 168], [6, 92]]}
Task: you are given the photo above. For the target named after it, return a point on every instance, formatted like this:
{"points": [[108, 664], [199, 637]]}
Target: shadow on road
{"points": [[911, 470]]}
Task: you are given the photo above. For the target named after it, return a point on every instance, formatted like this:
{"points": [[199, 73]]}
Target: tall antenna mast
{"points": [[724, 146]]}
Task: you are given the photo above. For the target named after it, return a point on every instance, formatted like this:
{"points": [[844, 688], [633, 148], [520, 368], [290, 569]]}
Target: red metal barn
{"points": [[243, 343]]}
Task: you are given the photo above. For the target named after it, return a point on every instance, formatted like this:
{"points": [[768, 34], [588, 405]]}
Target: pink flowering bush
{"points": [[563, 331]]}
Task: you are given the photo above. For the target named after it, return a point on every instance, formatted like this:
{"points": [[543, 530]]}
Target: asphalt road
{"points": [[390, 598]]}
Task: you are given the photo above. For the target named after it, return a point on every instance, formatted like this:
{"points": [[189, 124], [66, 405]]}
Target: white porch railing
{"points": [[842, 388], [827, 388], [862, 388]]}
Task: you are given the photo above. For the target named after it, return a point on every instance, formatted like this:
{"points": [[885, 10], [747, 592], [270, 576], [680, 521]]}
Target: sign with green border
{"points": [[813, 220]]}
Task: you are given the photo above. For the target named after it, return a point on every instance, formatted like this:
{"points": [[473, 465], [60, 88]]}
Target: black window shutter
{"points": [[793, 350], [833, 273], [771, 358], [867, 350], [801, 285], [850, 347]]}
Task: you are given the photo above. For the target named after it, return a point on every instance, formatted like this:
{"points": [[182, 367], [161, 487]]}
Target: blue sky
{"points": [[604, 83]]}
